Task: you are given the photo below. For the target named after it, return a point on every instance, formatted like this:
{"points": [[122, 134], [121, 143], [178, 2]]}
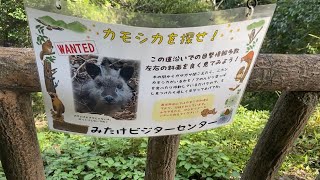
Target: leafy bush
{"points": [[293, 27], [37, 105], [215, 154], [260, 100], [14, 29], [2, 175], [76, 157]]}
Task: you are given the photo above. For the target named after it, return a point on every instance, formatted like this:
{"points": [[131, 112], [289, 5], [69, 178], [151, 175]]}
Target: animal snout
{"points": [[109, 99]]}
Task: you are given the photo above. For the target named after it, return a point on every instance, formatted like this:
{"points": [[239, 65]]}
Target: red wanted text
{"points": [[73, 48]]}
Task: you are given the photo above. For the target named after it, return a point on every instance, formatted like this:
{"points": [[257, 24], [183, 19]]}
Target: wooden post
{"points": [[19, 148], [288, 118], [162, 157]]}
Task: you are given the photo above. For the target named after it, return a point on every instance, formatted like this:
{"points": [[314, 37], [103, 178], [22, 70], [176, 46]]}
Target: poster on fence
{"points": [[117, 80]]}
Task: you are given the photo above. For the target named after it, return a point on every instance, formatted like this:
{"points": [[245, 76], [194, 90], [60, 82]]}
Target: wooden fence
{"points": [[298, 76]]}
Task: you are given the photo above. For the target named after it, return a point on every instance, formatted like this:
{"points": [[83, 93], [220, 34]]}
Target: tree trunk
{"points": [[162, 157], [19, 148], [288, 118]]}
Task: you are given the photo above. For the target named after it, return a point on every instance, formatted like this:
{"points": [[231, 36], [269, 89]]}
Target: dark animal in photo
{"points": [[106, 91]]}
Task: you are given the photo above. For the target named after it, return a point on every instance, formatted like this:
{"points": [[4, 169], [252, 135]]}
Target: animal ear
{"points": [[93, 70], [112, 63], [126, 72], [105, 62]]}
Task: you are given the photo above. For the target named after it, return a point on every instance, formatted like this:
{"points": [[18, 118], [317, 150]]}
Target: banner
{"points": [[117, 80]]}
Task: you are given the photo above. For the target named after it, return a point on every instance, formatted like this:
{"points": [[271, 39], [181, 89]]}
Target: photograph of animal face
{"points": [[103, 85]]}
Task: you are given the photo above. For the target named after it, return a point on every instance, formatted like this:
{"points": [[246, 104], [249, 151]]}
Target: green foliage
{"points": [[37, 103], [294, 27], [260, 100], [215, 154], [315, 47], [305, 154], [14, 29], [2, 175], [291, 25], [77, 157], [165, 6], [39, 111]]}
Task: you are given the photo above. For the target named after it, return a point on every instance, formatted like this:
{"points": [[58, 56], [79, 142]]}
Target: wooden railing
{"points": [[298, 76]]}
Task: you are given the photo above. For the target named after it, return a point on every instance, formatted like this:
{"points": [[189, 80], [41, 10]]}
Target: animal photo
{"points": [[104, 85]]}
